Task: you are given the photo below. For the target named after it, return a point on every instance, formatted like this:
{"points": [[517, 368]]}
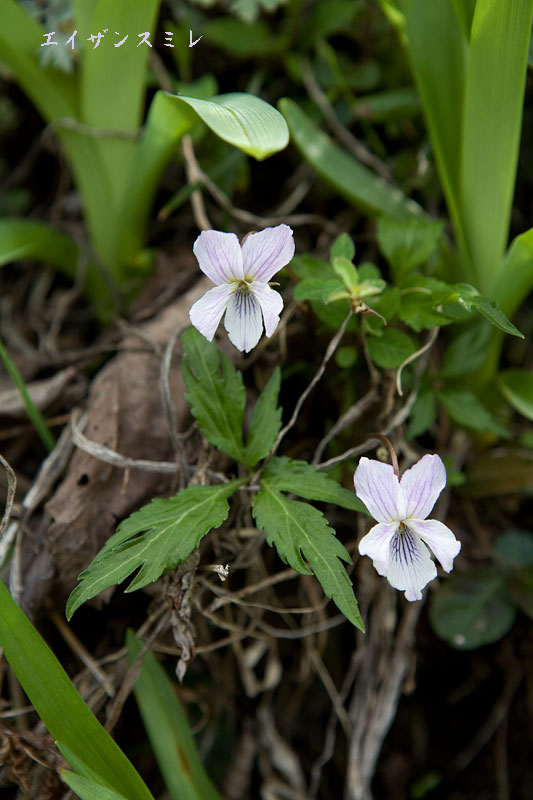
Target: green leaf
{"points": [[407, 244], [418, 310], [26, 239], [514, 556], [346, 271], [467, 352], [517, 387], [471, 299], [88, 789], [356, 183], [300, 531], [423, 415], [514, 279], [465, 409], [216, 393], [170, 530], [53, 93], [391, 348], [514, 548], [438, 53], [244, 121], [59, 705], [168, 730], [265, 422], [342, 247], [301, 478], [471, 609], [491, 127], [34, 415]]}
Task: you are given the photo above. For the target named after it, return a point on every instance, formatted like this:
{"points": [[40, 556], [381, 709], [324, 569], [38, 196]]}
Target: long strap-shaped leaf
{"points": [[492, 120], [59, 705]]}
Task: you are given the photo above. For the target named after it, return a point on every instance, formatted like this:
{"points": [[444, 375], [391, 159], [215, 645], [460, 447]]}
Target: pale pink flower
{"points": [[398, 544], [241, 275]]}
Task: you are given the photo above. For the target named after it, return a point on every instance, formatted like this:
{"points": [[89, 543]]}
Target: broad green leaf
{"points": [[407, 244], [215, 392], [307, 266], [168, 730], [514, 548], [467, 352], [514, 555], [244, 121], [517, 387], [342, 247], [27, 239], [59, 705], [471, 609], [300, 532], [391, 348], [491, 126], [87, 789], [309, 289], [156, 538], [356, 183], [418, 309], [464, 408], [301, 478], [423, 415], [265, 422], [438, 53]]}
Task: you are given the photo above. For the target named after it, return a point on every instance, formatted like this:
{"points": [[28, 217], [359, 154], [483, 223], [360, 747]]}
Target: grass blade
{"points": [[168, 730], [36, 418], [59, 705]]}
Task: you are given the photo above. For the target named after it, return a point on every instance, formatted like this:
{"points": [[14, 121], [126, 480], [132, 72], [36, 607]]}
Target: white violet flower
{"points": [[398, 544], [241, 275]]}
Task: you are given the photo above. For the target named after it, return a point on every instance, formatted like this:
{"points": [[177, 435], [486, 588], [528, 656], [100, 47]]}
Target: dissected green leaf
{"points": [[391, 348], [215, 392], [169, 531], [265, 422], [517, 387], [464, 408], [59, 705], [407, 244], [168, 730], [300, 532], [471, 609], [418, 309], [301, 478], [356, 183]]}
